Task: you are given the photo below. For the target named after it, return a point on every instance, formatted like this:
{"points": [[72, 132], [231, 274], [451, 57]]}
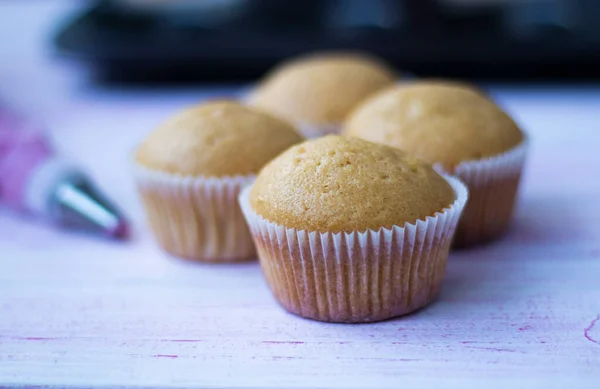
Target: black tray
{"points": [[125, 46]]}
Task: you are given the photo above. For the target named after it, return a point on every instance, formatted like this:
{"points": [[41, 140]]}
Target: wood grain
{"points": [[78, 312]]}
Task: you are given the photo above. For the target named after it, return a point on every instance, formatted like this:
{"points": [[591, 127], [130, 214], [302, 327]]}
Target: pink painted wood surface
{"points": [[82, 312]]}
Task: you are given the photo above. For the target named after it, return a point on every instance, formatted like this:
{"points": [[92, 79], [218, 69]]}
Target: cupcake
{"points": [[191, 169], [317, 92], [350, 231], [460, 131]]}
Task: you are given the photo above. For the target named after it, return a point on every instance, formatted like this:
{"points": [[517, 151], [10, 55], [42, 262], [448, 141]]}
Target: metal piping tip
{"points": [[76, 203], [122, 230]]}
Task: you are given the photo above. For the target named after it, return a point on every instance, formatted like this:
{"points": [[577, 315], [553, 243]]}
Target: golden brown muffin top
{"points": [[214, 139], [335, 183], [438, 122], [321, 88]]}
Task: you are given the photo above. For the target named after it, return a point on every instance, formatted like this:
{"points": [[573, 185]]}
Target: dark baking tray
{"points": [[124, 46]]}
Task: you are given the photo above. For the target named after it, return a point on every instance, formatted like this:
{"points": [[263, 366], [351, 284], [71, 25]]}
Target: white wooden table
{"points": [[81, 312]]}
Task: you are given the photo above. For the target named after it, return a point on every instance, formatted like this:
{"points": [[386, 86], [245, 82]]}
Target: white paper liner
{"points": [[492, 168], [307, 130], [196, 218], [358, 276], [316, 130], [493, 184]]}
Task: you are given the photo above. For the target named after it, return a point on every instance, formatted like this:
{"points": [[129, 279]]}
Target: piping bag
{"points": [[34, 180]]}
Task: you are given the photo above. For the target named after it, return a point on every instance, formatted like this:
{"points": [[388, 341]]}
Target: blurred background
{"points": [[188, 40]]}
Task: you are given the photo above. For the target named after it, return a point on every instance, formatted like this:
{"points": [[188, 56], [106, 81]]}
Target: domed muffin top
{"points": [[335, 184], [219, 138], [321, 88], [438, 122]]}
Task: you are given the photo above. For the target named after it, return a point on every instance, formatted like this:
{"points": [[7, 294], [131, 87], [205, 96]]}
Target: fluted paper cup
{"points": [[493, 184], [360, 276], [196, 218], [306, 129], [317, 130]]}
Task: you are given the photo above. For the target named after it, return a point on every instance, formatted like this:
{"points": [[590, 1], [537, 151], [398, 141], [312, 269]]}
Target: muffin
{"points": [[462, 132], [191, 169], [317, 92], [350, 231]]}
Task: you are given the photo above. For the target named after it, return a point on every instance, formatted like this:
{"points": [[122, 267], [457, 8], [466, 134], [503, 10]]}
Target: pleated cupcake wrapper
{"points": [[358, 276], [309, 130], [493, 183], [197, 218]]}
